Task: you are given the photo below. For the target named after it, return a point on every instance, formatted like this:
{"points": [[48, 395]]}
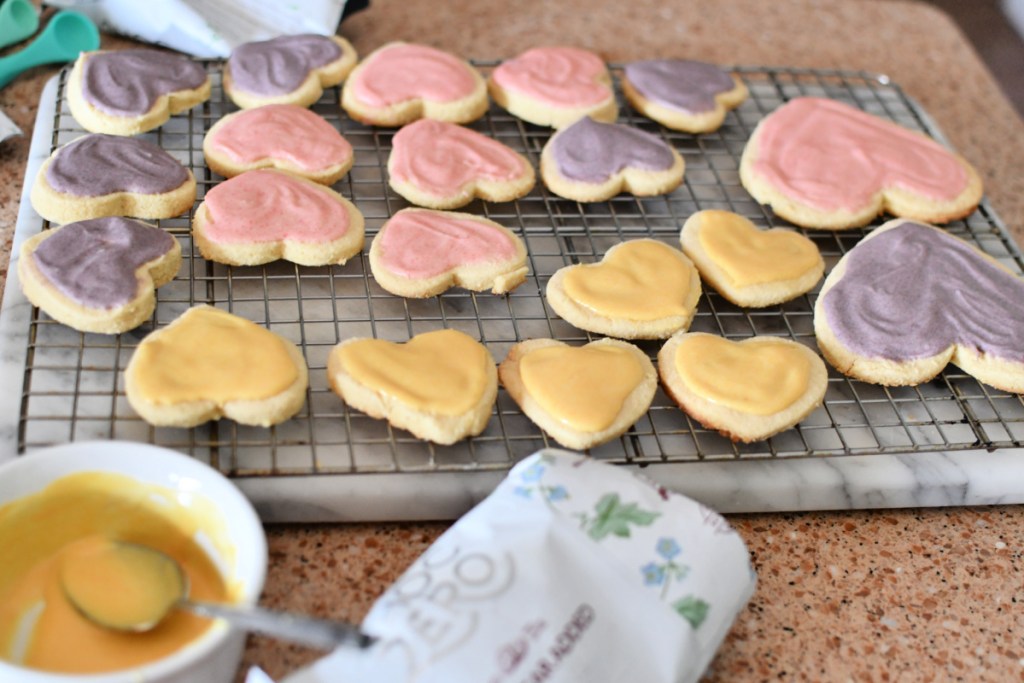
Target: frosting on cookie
{"points": [[685, 85], [441, 158], [756, 378], [97, 164], [442, 372], [912, 291], [280, 65], [592, 152], [129, 82], [93, 262], [424, 244], [404, 71], [749, 256], [209, 355], [266, 206], [831, 156], [583, 388], [639, 280], [559, 76], [280, 131]]}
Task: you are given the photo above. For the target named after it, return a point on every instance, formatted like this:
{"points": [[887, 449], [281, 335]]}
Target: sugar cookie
{"points": [[201, 368], [444, 166], [555, 86], [291, 69], [420, 253], [265, 215], [581, 396], [591, 162], [682, 94], [748, 266], [283, 136], [440, 385], [98, 275], [127, 92], [401, 82], [820, 163], [641, 289], [107, 175], [747, 390], [910, 298]]}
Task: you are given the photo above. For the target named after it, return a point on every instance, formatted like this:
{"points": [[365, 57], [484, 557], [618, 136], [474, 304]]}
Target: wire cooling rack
{"points": [[72, 384]]}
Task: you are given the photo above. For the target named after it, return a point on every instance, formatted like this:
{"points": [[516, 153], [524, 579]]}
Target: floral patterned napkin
{"points": [[570, 570]]}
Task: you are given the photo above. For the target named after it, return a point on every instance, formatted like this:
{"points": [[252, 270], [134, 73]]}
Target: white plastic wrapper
{"points": [[7, 127], [571, 570], [209, 28]]}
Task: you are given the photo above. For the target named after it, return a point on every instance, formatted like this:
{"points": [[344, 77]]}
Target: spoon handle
{"points": [[319, 633]]}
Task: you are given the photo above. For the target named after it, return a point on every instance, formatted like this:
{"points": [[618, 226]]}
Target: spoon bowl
{"points": [[68, 34], [18, 20], [151, 584]]}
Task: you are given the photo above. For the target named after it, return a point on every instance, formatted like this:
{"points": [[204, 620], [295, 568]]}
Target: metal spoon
{"points": [[170, 590]]}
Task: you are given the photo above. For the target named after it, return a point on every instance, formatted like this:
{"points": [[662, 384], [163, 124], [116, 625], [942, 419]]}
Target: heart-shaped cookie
{"points": [[441, 165], [641, 289], [401, 82], [291, 69], [439, 385], [682, 94], [910, 298], [747, 390], [127, 92], [98, 275], [581, 396], [283, 136], [748, 266], [554, 86], [265, 215], [591, 162], [823, 164], [200, 367], [420, 253], [107, 175]]}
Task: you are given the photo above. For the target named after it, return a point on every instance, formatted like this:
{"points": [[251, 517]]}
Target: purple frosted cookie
{"points": [[126, 92], [591, 161], [682, 94], [287, 70], [910, 298], [106, 175], [98, 275]]}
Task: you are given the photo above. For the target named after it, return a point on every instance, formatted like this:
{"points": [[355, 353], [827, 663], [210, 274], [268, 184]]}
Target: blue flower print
{"points": [[556, 493], [654, 574], [667, 548], [532, 473]]}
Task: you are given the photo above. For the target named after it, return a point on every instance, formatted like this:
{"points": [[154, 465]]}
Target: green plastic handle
{"points": [[18, 20], [67, 34]]}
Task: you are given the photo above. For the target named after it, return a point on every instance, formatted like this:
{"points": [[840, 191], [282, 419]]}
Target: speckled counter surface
{"points": [[903, 595]]}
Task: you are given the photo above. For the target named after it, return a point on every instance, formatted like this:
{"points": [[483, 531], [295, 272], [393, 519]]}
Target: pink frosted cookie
{"points": [[823, 164], [420, 253], [283, 136], [265, 215], [444, 166], [555, 86], [402, 82]]}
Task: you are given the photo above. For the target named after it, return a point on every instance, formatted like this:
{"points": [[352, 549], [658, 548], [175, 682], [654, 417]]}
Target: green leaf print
{"points": [[612, 517], [692, 608]]}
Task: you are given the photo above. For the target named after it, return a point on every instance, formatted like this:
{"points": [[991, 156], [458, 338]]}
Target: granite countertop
{"points": [[930, 594]]}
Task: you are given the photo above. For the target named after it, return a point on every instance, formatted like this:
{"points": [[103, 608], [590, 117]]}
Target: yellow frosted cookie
{"points": [[201, 367], [641, 289], [748, 266], [127, 92], [581, 396], [293, 69], [555, 86], [440, 385], [747, 390], [401, 82]]}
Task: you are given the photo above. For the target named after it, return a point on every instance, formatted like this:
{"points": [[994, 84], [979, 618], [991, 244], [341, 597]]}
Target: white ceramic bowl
{"points": [[214, 656]]}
